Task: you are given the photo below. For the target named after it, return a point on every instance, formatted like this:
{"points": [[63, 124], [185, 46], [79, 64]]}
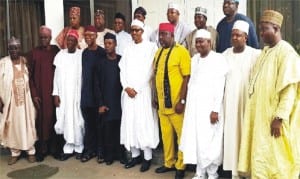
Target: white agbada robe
{"points": [[139, 124], [67, 85], [123, 40], [236, 91], [201, 141]]}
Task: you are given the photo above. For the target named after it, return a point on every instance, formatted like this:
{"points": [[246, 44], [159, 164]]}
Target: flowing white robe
{"points": [[67, 85], [123, 40], [236, 91], [201, 141], [139, 124]]}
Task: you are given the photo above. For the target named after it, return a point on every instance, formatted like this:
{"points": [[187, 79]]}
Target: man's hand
{"points": [[1, 105], [103, 109], [131, 92], [37, 102], [276, 127], [56, 101], [179, 108], [214, 117]]}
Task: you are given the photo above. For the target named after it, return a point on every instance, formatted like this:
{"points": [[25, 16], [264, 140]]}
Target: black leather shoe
{"points": [[164, 169], [87, 156], [78, 155], [64, 156], [100, 157], [39, 157], [109, 162], [179, 174], [145, 165], [133, 162]]}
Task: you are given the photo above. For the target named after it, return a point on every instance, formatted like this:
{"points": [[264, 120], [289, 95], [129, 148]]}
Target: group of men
{"points": [[107, 91]]}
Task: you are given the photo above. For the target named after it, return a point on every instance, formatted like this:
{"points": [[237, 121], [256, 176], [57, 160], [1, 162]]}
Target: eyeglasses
{"points": [[135, 30]]}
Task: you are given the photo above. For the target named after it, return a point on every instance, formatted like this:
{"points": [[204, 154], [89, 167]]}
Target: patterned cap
{"points": [[272, 16], [74, 11], [14, 41], [201, 11]]}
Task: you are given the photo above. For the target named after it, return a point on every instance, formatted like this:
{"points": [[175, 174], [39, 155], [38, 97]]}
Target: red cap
{"points": [[73, 33], [90, 28], [166, 27]]}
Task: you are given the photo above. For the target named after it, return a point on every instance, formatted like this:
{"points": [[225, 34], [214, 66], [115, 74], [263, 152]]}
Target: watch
{"points": [[182, 101]]}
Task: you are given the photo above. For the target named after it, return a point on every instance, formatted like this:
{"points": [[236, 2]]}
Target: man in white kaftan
{"points": [[123, 38], [202, 133], [240, 59], [139, 124], [66, 92]]}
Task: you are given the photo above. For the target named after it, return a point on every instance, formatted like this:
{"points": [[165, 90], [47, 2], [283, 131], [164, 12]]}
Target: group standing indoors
{"points": [[109, 101], [241, 59], [202, 133], [17, 124], [270, 137], [67, 94], [172, 67], [40, 60], [91, 57], [139, 124]]}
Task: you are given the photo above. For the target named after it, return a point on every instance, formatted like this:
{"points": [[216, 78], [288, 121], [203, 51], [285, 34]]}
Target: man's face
{"points": [[139, 17], [74, 21], [109, 45], [44, 39], [238, 38], [229, 7], [199, 21], [90, 38], [71, 43], [202, 45], [165, 38], [99, 22], [136, 33], [173, 15], [119, 25], [267, 32], [14, 51]]}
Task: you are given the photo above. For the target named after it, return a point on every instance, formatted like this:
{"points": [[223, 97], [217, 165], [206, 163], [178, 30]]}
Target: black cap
{"points": [[120, 16]]}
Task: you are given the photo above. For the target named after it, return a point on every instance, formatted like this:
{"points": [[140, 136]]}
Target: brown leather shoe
{"points": [[12, 160], [31, 158]]}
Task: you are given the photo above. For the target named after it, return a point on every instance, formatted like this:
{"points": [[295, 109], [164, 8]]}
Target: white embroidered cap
{"points": [[173, 5], [202, 33], [241, 25], [138, 23]]}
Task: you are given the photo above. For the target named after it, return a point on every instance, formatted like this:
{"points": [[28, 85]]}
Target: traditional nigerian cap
{"points": [[99, 12], [138, 23], [166, 27], [45, 30], [202, 33], [120, 16], [73, 33], [236, 1], [241, 25], [90, 28], [109, 35], [173, 5], [272, 16], [74, 11], [140, 10], [201, 11], [14, 41]]}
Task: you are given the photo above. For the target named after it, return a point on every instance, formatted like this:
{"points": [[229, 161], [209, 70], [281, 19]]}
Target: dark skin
{"points": [[119, 25], [271, 35], [230, 9], [203, 46], [166, 40], [139, 17], [74, 21], [200, 21], [90, 39], [110, 48], [14, 53], [99, 23], [173, 16], [71, 46], [238, 40]]}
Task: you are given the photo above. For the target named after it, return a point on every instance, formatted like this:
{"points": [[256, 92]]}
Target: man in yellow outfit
{"points": [[270, 138], [172, 67]]}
